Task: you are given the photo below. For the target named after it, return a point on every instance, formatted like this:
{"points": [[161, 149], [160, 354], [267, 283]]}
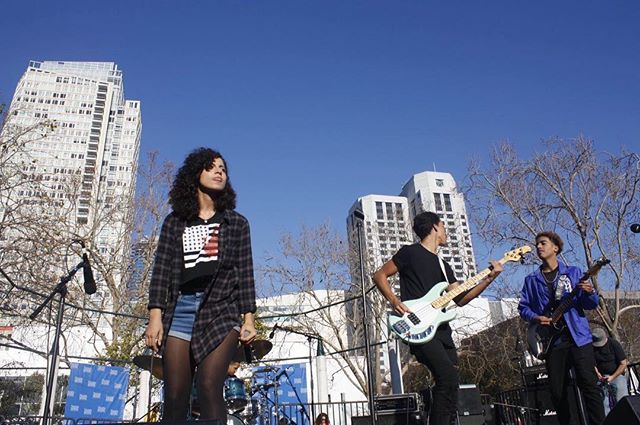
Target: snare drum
{"points": [[234, 394]]}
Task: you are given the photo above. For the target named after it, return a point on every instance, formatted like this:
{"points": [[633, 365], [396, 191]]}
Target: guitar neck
{"points": [[568, 300], [563, 306], [445, 299]]}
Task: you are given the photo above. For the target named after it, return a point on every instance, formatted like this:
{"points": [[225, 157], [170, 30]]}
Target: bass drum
{"points": [[234, 420]]}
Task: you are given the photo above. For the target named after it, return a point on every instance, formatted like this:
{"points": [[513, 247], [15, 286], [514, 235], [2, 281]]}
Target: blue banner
{"points": [[96, 392], [292, 392]]}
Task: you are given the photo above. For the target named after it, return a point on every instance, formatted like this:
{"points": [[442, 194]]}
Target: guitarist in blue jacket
{"points": [[420, 269], [542, 290]]}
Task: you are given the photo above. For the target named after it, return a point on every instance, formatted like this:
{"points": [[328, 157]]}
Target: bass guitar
{"points": [[540, 338], [433, 309]]}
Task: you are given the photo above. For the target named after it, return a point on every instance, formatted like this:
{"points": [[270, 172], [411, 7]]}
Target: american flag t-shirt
{"points": [[200, 244]]}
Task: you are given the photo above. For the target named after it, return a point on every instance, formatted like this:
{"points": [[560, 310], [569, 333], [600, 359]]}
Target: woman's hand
{"points": [[248, 330], [154, 333]]}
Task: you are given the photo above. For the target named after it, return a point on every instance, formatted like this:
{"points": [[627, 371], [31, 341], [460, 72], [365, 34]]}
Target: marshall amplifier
{"points": [[535, 376], [396, 403]]}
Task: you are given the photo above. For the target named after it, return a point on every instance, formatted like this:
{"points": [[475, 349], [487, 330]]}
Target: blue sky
{"points": [[315, 103]]}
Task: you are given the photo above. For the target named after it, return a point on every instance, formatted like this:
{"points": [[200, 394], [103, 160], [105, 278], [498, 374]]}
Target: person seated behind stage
{"points": [[322, 419], [233, 368], [611, 363]]}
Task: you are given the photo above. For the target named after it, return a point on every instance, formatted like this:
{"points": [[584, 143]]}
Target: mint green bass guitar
{"points": [[435, 308]]}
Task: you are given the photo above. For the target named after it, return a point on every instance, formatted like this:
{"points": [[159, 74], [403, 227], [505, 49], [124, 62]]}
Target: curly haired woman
{"points": [[202, 285]]}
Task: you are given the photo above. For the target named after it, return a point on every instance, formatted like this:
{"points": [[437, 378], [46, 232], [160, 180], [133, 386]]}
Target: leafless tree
{"points": [[37, 229], [317, 258], [587, 196]]}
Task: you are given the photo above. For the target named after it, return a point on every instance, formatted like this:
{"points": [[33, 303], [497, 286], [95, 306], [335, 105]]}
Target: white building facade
{"points": [[83, 158], [323, 315], [438, 192], [385, 229], [95, 134]]}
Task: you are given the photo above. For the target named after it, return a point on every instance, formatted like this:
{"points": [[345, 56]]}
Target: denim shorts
{"points": [[185, 315]]}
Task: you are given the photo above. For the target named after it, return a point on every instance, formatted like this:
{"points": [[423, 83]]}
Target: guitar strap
{"points": [[444, 271]]}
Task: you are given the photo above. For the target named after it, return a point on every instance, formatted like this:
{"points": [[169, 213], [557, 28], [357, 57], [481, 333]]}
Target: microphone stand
{"points": [[310, 338], [61, 288], [295, 391], [359, 217]]}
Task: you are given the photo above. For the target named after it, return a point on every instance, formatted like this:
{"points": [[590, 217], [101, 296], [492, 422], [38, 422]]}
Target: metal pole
{"points": [[313, 405], [48, 410], [367, 344]]}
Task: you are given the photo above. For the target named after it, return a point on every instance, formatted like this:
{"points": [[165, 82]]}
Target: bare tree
{"points": [[589, 197], [37, 229], [318, 259]]}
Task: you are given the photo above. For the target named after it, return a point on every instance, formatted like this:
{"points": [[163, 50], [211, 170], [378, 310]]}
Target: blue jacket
{"points": [[535, 297]]}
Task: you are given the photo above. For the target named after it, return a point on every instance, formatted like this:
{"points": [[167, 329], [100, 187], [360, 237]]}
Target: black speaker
{"points": [[626, 411], [539, 397], [469, 402], [471, 420], [407, 418]]}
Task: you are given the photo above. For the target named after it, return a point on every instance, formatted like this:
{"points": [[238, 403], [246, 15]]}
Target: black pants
{"points": [[442, 360], [560, 360]]}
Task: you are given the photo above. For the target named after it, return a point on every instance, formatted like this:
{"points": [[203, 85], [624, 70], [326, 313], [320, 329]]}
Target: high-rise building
{"points": [[437, 192], [97, 131], [87, 163], [385, 229]]}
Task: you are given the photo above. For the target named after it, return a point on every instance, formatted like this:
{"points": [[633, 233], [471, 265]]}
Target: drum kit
{"points": [[248, 400]]}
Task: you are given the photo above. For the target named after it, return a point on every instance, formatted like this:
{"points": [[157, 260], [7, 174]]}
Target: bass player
{"points": [[420, 269]]}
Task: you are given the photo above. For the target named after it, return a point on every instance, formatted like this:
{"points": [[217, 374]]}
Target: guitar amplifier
{"points": [[535, 376], [397, 403]]}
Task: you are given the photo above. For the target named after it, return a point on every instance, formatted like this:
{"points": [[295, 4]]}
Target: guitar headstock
{"points": [[597, 265], [516, 254]]}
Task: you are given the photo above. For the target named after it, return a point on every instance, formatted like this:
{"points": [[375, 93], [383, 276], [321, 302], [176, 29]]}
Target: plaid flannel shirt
{"points": [[230, 293]]}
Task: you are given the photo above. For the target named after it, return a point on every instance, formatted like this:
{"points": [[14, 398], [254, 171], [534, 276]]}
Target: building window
{"points": [[438, 200], [379, 212], [447, 202]]}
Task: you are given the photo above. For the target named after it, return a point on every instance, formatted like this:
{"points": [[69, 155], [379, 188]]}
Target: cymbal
{"points": [[259, 348], [146, 362]]}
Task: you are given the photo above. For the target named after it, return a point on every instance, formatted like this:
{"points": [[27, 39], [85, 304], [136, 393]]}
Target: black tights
{"points": [[179, 367]]}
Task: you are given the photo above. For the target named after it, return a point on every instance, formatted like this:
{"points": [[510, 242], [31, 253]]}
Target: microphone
{"points": [[89, 281], [273, 331], [635, 228]]}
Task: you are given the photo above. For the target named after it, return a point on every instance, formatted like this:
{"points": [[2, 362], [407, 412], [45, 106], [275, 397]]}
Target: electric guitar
{"points": [[430, 311], [540, 338]]}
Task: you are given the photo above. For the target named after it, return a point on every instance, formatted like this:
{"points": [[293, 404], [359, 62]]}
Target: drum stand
{"points": [[267, 404]]}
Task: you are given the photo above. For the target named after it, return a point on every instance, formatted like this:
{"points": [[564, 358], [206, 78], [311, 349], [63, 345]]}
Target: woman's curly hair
{"points": [[183, 194]]}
